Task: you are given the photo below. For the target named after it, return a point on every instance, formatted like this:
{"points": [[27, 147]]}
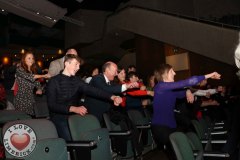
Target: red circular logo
{"points": [[19, 140]]}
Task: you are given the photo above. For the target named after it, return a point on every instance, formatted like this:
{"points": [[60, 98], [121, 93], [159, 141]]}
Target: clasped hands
{"points": [[116, 100], [82, 110]]}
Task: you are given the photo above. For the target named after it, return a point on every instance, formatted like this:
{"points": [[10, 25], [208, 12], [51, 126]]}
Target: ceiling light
{"points": [[48, 17]]}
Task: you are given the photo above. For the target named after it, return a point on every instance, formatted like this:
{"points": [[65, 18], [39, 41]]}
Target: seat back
{"points": [[181, 146], [114, 140], [143, 124], [198, 128], [137, 117], [194, 141], [87, 127], [109, 124], [148, 113], [23, 135], [11, 115]]}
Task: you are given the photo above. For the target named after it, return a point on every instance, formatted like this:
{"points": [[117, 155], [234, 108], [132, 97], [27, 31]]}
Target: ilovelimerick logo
{"points": [[19, 140]]}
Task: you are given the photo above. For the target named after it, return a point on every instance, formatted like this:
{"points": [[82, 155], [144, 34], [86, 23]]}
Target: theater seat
{"points": [[11, 115], [23, 134], [88, 128], [120, 139], [144, 126], [182, 148], [218, 138], [208, 153]]}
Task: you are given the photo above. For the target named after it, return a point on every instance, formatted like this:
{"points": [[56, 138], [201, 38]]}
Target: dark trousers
{"points": [[61, 123], [161, 135]]}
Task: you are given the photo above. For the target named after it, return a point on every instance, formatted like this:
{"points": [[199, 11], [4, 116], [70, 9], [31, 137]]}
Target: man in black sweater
{"points": [[64, 92]]}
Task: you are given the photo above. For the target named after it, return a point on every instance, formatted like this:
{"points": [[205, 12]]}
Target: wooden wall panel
{"points": [[149, 54]]}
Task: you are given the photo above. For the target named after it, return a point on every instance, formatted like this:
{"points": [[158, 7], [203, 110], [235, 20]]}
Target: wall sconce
{"points": [[175, 50], [60, 51], [40, 64], [6, 60], [22, 51]]}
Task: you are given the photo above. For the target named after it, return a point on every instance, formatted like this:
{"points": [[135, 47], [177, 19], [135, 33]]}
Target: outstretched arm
{"points": [[213, 75]]}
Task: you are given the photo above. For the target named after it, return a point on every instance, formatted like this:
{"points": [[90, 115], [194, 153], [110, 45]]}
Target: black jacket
{"points": [[98, 106], [64, 91]]}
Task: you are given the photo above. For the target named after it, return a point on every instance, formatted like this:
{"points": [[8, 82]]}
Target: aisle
{"points": [[155, 155]]}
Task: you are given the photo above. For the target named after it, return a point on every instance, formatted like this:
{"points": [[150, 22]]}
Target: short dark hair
{"points": [[131, 74], [70, 57]]}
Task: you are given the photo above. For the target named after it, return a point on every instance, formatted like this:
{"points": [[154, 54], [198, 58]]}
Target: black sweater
{"points": [[64, 91]]}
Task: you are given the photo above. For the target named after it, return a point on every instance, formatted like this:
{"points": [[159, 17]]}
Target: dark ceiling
{"points": [[73, 5], [24, 32]]}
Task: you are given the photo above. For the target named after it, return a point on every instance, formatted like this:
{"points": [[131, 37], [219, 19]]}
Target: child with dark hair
{"points": [[134, 96]]}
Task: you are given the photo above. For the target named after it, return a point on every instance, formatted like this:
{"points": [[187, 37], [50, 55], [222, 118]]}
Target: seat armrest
{"points": [[81, 143], [212, 154], [215, 154], [219, 127], [219, 123], [119, 133], [80, 149], [218, 132], [218, 141], [146, 126], [214, 141]]}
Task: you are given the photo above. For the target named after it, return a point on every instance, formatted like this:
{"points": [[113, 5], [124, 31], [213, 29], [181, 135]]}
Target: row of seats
{"points": [[90, 141], [204, 143], [189, 147], [141, 122]]}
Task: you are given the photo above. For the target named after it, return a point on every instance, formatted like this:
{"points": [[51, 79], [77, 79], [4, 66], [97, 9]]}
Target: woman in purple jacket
{"points": [[166, 91]]}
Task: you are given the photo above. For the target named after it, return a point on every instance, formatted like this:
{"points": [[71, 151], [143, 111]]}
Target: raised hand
{"points": [[213, 75]]}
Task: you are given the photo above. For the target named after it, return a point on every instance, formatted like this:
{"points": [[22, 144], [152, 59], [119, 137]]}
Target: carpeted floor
{"points": [[155, 155]]}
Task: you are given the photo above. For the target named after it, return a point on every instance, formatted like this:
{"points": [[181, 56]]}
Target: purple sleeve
{"points": [[180, 94], [179, 84]]}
